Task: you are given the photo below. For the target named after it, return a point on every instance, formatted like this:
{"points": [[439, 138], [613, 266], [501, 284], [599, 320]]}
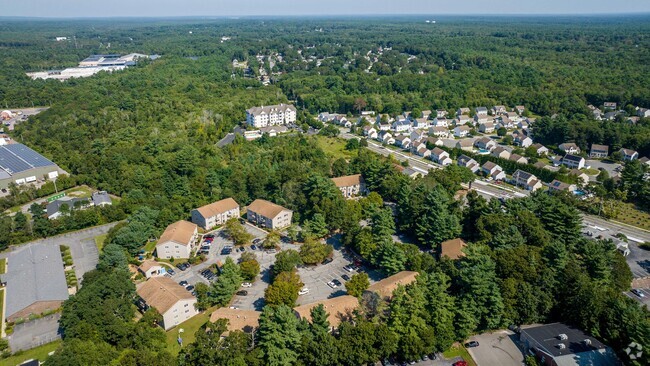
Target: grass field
{"points": [[150, 246], [632, 216], [38, 353], [334, 147], [3, 265], [458, 350], [189, 329], [2, 304], [99, 241]]}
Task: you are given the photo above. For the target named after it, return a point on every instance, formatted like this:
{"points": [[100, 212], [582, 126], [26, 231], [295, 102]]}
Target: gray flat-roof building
{"points": [[19, 164], [35, 281]]}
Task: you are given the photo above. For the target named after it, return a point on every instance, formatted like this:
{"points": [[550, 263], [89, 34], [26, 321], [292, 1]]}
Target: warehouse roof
{"points": [[16, 158]]}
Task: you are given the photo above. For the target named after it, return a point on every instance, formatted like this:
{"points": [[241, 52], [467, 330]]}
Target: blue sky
{"points": [[153, 8]]}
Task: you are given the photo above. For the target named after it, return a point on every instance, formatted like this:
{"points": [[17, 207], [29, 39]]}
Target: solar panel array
{"points": [[16, 158]]}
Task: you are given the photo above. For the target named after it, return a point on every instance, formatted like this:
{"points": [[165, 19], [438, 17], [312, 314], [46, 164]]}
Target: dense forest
{"points": [[149, 133]]}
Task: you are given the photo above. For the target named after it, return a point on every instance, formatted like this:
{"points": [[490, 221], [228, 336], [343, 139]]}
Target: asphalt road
{"points": [[496, 349]]}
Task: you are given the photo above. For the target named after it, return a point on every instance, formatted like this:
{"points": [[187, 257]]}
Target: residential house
{"points": [[462, 111], [582, 177], [461, 120], [559, 344], [485, 143], [573, 161], [423, 152], [452, 249], [441, 122], [479, 119], [417, 145], [513, 116], [383, 126], [340, 120], [435, 141], [461, 131], [441, 113], [599, 151], [526, 180], [440, 156], [505, 122], [421, 123], [610, 116], [385, 288], [493, 170], [523, 141], [339, 309], [439, 131], [174, 303], [487, 127], [216, 213], [370, 131], [520, 109], [401, 126], [540, 149], [411, 173], [326, 116], [569, 148], [417, 135], [644, 160], [468, 163], [350, 185], [65, 205], [523, 124], [263, 116], [518, 159], [465, 144], [481, 111], [246, 321], [632, 120], [403, 141], [500, 152], [629, 155], [177, 241], [267, 214], [100, 199], [498, 109], [643, 112], [609, 105], [150, 268], [425, 114], [386, 137]]}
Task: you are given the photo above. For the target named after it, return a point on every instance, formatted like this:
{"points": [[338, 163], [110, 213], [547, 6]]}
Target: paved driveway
{"points": [[496, 349], [35, 333], [600, 164]]}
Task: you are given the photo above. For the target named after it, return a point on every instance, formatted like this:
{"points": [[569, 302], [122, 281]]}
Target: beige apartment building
{"points": [[172, 300], [177, 241], [268, 214], [350, 185], [216, 213]]}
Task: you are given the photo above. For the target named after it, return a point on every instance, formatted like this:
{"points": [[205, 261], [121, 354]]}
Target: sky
{"points": [[166, 8]]}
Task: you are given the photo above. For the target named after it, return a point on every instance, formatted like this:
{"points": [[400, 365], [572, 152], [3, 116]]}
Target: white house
{"points": [[481, 118], [462, 111], [350, 185], [439, 131], [569, 148], [573, 161], [523, 141], [462, 120], [172, 300], [421, 123], [423, 152], [417, 135], [370, 131], [386, 137], [498, 109], [403, 141], [263, 116], [216, 213], [493, 170], [643, 112], [177, 241], [500, 152], [487, 127], [441, 122], [440, 156], [481, 111], [468, 163], [485, 143], [540, 149], [526, 180], [461, 131], [465, 144], [151, 268], [629, 155], [401, 126], [441, 113], [268, 214]]}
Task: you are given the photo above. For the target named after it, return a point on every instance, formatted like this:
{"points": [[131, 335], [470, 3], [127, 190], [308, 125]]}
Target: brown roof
{"points": [[453, 249], [162, 293], [218, 207], [148, 264], [348, 180], [386, 286], [238, 319], [336, 308], [180, 232], [266, 208]]}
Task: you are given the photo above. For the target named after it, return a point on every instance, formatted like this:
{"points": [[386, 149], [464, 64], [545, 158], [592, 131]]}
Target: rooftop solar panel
{"points": [[28, 155], [16, 158]]}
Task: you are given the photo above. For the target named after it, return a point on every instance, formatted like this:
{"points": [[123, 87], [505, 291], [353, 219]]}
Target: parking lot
{"points": [[496, 349]]}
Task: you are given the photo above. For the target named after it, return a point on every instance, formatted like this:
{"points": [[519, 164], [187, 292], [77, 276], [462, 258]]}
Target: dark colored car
{"points": [[337, 282], [171, 271], [211, 236], [242, 293], [345, 277], [471, 344], [257, 241], [183, 283], [253, 247], [189, 288], [327, 260]]}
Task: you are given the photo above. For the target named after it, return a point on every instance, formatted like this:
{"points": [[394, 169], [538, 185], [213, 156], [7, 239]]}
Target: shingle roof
{"points": [[348, 180], [385, 287], [266, 208], [453, 249], [162, 293], [489, 165], [180, 232], [238, 319], [596, 147], [218, 207], [270, 109], [336, 308], [148, 264]]}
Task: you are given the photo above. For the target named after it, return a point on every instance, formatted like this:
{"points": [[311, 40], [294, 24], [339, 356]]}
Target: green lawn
{"points": [[632, 216], [334, 147], [591, 171], [458, 350], [2, 304], [39, 353], [99, 241], [3, 265], [150, 246], [189, 329]]}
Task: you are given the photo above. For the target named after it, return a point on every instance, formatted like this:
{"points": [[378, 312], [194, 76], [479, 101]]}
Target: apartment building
{"points": [[172, 300], [350, 185], [271, 115], [216, 213], [177, 241], [268, 214]]}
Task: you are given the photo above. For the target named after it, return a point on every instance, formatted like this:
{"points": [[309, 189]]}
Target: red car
{"points": [[460, 363]]}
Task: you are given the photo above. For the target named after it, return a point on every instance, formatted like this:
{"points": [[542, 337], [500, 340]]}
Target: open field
{"points": [[99, 241], [334, 147], [632, 216], [458, 350], [189, 329], [3, 265]]}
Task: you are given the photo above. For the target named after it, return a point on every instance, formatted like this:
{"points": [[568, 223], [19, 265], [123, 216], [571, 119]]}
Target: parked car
{"points": [[183, 283], [171, 271], [337, 282], [460, 363], [242, 293], [332, 284], [327, 260], [349, 268], [253, 247], [209, 236], [345, 277], [246, 284], [471, 344], [189, 288], [638, 292], [271, 251], [205, 247], [304, 291], [256, 241]]}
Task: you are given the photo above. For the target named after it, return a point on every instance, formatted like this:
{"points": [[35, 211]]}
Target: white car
{"points": [[246, 284], [304, 291], [332, 284]]}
